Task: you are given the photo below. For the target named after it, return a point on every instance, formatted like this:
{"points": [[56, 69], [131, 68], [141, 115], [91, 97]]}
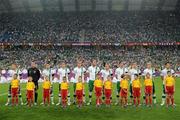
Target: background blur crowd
{"points": [[114, 27]]}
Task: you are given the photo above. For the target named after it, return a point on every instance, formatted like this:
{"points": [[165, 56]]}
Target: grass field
{"points": [[89, 112]]}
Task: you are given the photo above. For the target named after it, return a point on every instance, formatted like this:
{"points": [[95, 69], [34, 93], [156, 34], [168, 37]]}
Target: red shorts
{"points": [[64, 94], [30, 94], [46, 93], [14, 92], [136, 92], [108, 93], [98, 91], [170, 90], [79, 94], [148, 90], [123, 93]]}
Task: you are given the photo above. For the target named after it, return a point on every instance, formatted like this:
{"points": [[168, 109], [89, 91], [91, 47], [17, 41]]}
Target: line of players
{"points": [[93, 72]]}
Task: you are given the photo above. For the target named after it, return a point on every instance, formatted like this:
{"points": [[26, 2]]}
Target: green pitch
{"points": [[88, 112]]}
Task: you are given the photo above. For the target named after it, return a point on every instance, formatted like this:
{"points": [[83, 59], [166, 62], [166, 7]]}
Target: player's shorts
{"points": [[74, 87], [136, 92], [14, 92], [118, 86], [64, 93], [170, 90], [108, 93], [98, 91], [148, 90], [123, 93], [46, 93], [79, 94], [30, 94], [91, 85]]}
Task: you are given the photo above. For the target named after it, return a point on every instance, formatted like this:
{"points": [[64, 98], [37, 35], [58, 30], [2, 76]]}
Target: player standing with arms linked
{"points": [[92, 71]]}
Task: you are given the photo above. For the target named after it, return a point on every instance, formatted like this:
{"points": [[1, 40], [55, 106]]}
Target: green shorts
{"points": [[91, 85], [118, 86], [74, 87]]}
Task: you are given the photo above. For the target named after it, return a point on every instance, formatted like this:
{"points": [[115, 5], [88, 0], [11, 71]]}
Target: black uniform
{"points": [[35, 74]]}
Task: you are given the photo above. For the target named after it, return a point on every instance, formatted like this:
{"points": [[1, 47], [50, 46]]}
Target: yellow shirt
{"points": [[15, 83], [124, 84], [64, 86], [136, 83], [30, 86], [46, 85], [169, 81], [108, 85], [98, 83], [148, 82], [79, 86]]}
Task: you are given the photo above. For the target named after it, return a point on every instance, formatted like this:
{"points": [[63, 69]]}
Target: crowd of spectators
{"points": [[114, 27]]}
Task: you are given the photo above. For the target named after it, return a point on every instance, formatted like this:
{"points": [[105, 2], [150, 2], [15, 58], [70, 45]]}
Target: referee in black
{"points": [[34, 72]]}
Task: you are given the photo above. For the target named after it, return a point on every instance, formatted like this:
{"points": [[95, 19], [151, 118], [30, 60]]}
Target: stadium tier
{"points": [[98, 27]]}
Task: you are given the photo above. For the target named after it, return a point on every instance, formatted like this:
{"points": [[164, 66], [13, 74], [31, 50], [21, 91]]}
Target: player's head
{"points": [[94, 62], [63, 64], [98, 76], [107, 66], [148, 75], [15, 76], [79, 63], [30, 79], [47, 65], [80, 79], [167, 65], [136, 76], [121, 64], [46, 78], [123, 76], [33, 64], [14, 66], [148, 65], [134, 65], [64, 79], [169, 73], [109, 77]]}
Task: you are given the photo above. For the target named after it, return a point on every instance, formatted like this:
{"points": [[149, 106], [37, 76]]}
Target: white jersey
{"points": [[106, 73], [164, 72], [12, 72], [150, 71], [79, 72], [24, 77], [132, 72], [92, 72], [63, 72], [3, 77], [48, 73], [118, 73]]}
